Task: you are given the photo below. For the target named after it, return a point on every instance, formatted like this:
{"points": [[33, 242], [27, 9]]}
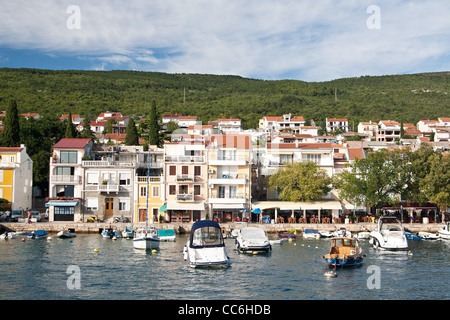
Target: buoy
{"points": [[70, 241], [330, 274], [49, 238], [23, 239], [290, 239], [295, 244], [255, 252], [95, 250], [410, 253], [154, 251]]}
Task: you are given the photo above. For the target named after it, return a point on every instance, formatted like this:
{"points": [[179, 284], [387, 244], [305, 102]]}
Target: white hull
{"points": [[66, 234], [146, 243], [444, 235], [206, 257], [389, 235]]}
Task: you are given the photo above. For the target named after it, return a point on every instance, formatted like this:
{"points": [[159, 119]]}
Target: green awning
{"points": [[163, 208]]}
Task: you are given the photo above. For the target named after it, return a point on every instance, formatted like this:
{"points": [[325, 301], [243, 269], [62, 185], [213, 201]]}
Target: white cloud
{"points": [[308, 40]]}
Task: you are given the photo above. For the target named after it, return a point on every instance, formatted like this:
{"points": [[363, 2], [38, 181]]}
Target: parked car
{"points": [[16, 215], [36, 214]]}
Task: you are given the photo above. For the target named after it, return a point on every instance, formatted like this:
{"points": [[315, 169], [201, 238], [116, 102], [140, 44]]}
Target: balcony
{"points": [[228, 199], [183, 159], [101, 163], [65, 179], [224, 160], [108, 188], [185, 197], [228, 179], [185, 178], [152, 179]]}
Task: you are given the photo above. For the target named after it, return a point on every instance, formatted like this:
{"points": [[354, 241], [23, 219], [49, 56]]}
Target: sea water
{"points": [[70, 269]]}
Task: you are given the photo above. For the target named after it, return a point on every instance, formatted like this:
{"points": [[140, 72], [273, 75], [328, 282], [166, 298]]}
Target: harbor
{"points": [[293, 270]]}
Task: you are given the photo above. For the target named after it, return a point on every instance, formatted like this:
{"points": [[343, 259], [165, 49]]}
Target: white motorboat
{"points": [[311, 234], [428, 235], [342, 233], [444, 233], [128, 232], [146, 239], [206, 247], [251, 239], [362, 235], [65, 234], [389, 235], [326, 234], [8, 235]]}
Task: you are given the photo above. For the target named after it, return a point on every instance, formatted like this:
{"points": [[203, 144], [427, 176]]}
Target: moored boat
{"points": [[311, 234], [428, 235], [251, 239], [167, 234], [128, 232], [412, 236], [288, 235], [38, 234], [146, 238], [389, 235], [344, 252], [444, 233], [205, 246], [65, 234]]}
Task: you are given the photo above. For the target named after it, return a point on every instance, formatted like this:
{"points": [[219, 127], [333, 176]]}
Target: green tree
{"points": [[11, 127], [132, 138], [87, 132], [109, 126], [370, 181], [153, 127], [71, 132], [436, 184], [301, 181]]}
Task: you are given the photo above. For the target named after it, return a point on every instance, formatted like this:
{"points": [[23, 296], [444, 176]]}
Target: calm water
{"points": [[37, 269]]}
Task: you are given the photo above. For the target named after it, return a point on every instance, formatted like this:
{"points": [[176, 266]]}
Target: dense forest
{"points": [[407, 98]]}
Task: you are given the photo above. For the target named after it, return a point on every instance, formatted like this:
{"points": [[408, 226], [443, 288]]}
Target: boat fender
{"points": [[352, 252], [95, 250]]}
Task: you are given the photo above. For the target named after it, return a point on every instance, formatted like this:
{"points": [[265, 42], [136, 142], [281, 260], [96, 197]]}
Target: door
{"points": [[142, 214], [109, 208]]}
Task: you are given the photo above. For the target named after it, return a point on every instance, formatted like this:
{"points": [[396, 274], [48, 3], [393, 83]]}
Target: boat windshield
{"points": [[253, 233], [207, 237]]}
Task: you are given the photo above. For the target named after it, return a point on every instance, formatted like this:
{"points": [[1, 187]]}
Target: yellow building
{"points": [[16, 177], [153, 190]]}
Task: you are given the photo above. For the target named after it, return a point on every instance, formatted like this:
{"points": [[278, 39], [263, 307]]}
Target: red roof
{"points": [[71, 143]]}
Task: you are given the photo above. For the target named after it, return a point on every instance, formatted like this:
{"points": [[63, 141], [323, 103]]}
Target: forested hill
{"points": [[407, 98]]}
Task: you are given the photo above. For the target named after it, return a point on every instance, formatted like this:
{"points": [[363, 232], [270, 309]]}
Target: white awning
{"points": [[225, 206], [174, 205], [289, 205]]}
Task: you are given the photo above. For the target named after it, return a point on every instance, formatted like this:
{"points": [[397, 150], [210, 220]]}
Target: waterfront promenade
{"points": [[98, 227]]}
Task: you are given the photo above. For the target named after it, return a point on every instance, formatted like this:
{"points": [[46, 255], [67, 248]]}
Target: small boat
{"points": [[362, 235], [128, 232], [389, 235], [38, 234], [344, 252], [288, 235], [428, 235], [167, 234], [251, 239], [277, 241], [146, 238], [8, 235], [412, 236], [311, 234], [342, 232], [110, 233], [325, 234], [65, 234], [205, 246], [444, 233]]}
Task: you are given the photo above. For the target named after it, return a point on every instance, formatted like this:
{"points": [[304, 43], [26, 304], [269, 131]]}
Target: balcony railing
{"points": [[108, 188], [188, 197], [65, 179], [170, 158], [102, 163], [151, 179]]}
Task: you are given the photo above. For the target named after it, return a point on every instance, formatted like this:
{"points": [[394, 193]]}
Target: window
{"points": [[143, 191], [197, 171], [68, 156], [91, 204], [197, 190], [64, 171], [155, 191], [124, 204], [109, 177], [124, 179], [313, 158], [184, 170], [172, 189], [172, 170], [92, 178]]}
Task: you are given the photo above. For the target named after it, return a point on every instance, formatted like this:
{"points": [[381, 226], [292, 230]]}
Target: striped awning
{"points": [[289, 205], [61, 204]]}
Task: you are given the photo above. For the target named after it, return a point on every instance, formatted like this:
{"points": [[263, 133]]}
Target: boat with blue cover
{"points": [[205, 246], [167, 234], [344, 252], [38, 234]]}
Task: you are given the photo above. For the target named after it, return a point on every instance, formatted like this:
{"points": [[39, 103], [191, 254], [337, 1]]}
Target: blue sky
{"points": [[265, 39]]}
